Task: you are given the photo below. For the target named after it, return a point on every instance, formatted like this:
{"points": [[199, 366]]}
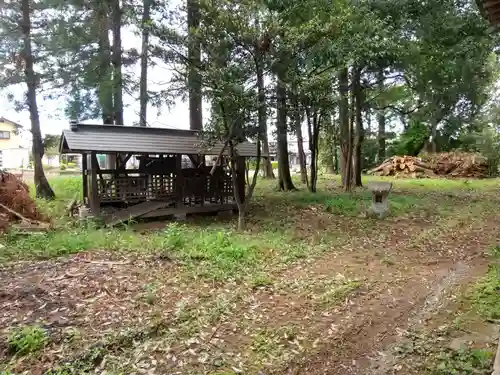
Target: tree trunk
{"points": [[300, 143], [434, 136], [310, 182], [381, 155], [241, 220], [262, 113], [116, 59], [345, 161], [143, 89], [105, 85], [313, 120], [335, 156], [329, 144], [315, 146], [285, 179], [238, 188], [358, 142], [350, 159], [43, 189], [349, 163], [368, 115], [194, 57]]}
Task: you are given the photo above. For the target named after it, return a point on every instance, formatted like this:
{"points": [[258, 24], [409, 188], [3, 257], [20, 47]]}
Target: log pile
{"points": [[16, 205], [458, 164], [403, 166], [448, 164]]}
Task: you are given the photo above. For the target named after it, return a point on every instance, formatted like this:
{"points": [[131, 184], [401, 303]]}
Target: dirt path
{"points": [[378, 320]]}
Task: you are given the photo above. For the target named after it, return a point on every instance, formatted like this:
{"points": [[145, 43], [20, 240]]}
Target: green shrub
{"points": [[485, 296], [71, 164], [63, 167], [26, 340], [488, 144], [251, 164], [411, 141], [463, 362]]}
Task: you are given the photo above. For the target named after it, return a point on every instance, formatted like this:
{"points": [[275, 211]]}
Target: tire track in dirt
{"points": [[379, 318], [385, 362]]}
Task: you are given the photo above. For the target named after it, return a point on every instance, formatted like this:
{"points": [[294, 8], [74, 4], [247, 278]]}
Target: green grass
{"points": [[467, 361], [485, 296], [214, 249], [66, 189], [439, 184], [210, 252], [408, 196]]}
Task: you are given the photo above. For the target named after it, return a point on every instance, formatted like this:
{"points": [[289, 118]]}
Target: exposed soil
{"points": [[380, 318], [337, 313]]}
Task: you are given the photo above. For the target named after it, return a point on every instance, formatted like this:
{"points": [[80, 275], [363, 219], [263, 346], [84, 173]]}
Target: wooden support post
{"points": [[162, 185], [85, 180], [179, 181], [94, 198]]}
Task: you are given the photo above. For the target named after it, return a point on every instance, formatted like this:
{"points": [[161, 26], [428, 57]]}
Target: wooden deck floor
{"points": [[151, 209]]}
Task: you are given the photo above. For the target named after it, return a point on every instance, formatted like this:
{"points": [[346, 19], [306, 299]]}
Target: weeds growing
{"points": [[27, 340]]}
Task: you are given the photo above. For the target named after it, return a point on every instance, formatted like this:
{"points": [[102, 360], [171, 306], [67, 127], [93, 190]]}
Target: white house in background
{"points": [[293, 153], [51, 160], [13, 151]]}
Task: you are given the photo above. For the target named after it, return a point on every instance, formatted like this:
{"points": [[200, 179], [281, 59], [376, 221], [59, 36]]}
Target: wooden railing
{"points": [[189, 190]]}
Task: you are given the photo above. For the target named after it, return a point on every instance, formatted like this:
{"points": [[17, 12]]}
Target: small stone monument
{"points": [[84, 212], [380, 199]]}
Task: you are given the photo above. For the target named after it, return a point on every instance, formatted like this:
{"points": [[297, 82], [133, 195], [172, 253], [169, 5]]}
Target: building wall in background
{"points": [[14, 137], [12, 153], [14, 158]]}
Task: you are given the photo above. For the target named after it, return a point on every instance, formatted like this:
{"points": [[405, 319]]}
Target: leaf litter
{"points": [[331, 310]]}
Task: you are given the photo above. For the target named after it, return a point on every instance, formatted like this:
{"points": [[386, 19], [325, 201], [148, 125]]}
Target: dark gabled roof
{"points": [[7, 121], [490, 9], [84, 138]]}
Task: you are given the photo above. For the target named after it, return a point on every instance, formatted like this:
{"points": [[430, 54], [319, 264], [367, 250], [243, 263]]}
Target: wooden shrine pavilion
{"points": [[161, 184], [490, 9]]}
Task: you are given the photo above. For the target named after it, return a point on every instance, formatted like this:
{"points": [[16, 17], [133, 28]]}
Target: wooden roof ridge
{"points": [[76, 126]]}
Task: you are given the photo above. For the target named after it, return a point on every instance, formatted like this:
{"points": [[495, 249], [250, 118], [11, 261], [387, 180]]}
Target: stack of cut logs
{"points": [[403, 166], [449, 164], [458, 164]]}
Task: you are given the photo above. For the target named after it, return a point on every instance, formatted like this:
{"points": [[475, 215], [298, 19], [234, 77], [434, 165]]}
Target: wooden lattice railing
{"points": [[191, 190]]}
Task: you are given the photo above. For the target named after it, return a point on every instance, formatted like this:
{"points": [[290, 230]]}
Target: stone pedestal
{"points": [[380, 199], [84, 212]]}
